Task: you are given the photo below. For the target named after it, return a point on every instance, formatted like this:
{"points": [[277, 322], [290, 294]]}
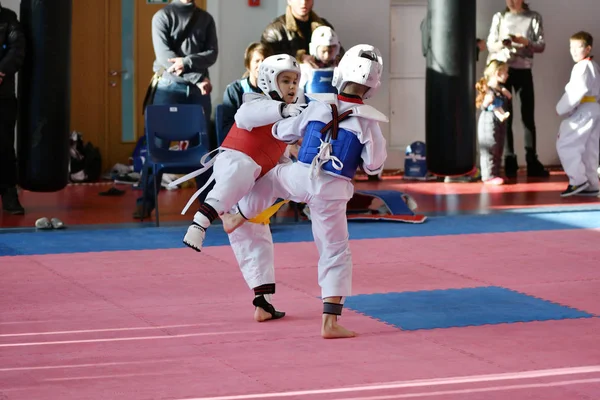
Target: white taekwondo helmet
{"points": [[361, 64], [323, 36], [270, 69]]}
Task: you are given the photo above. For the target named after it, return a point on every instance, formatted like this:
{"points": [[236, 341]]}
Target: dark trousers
{"points": [[169, 92], [8, 158], [520, 82]]}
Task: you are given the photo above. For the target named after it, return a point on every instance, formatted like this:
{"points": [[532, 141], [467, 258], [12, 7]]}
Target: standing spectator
{"points": [[185, 43], [290, 33], [12, 54], [515, 36]]}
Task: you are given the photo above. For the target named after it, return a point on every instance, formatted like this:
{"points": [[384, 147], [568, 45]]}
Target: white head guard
{"points": [[361, 64], [270, 69], [323, 36]]}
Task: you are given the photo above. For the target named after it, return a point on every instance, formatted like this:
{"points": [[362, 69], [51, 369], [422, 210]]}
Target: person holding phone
{"points": [[515, 36]]}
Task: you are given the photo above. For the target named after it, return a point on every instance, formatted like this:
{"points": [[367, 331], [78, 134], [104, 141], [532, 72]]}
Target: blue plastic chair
{"points": [[219, 124], [174, 123]]}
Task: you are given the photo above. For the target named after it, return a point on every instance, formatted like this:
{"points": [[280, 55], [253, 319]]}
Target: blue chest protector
{"points": [[320, 82], [345, 150]]}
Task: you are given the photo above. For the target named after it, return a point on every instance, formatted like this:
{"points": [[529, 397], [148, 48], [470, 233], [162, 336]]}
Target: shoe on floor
{"points": [[589, 193], [43, 224], [511, 166], [497, 181], [535, 169], [574, 189], [10, 202], [194, 237], [57, 223]]}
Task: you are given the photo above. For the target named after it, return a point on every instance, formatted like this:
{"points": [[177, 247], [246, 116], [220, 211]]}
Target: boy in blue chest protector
{"points": [[324, 47]]}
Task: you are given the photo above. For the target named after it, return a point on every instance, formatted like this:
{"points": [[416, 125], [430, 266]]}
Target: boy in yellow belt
{"points": [[579, 133]]}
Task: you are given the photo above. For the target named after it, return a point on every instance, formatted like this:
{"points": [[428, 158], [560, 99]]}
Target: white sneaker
{"points": [[194, 237]]}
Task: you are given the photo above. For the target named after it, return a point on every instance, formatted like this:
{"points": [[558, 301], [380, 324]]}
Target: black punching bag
{"points": [[44, 96], [449, 45]]}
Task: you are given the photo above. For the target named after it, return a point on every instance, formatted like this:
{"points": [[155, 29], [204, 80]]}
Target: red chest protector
{"points": [[259, 144]]}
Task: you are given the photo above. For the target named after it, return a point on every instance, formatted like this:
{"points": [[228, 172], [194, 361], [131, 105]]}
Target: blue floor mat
{"points": [[450, 308], [73, 240]]}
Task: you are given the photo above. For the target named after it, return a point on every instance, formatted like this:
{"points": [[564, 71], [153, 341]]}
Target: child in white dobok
{"points": [[579, 133], [317, 77], [250, 150], [339, 134]]}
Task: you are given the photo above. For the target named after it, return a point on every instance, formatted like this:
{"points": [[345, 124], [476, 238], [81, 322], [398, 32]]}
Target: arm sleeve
{"points": [[259, 112], [273, 38], [15, 44], [206, 58], [574, 91], [537, 44], [374, 153], [494, 41], [160, 39], [231, 103], [290, 130]]}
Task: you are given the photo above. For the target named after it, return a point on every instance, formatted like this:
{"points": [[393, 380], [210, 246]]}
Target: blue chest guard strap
{"points": [[325, 149]]}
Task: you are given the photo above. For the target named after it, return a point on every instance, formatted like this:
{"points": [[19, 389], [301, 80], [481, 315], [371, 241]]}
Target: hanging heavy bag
{"points": [[44, 95], [449, 46]]}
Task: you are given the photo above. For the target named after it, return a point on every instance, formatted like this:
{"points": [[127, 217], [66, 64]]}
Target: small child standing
{"points": [[324, 46], [579, 133], [491, 127], [249, 149]]}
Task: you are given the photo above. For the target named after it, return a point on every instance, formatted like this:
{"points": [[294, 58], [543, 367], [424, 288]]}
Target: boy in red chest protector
{"points": [[250, 150]]}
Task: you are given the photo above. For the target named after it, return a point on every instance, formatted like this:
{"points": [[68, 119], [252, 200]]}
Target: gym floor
{"points": [[495, 296]]}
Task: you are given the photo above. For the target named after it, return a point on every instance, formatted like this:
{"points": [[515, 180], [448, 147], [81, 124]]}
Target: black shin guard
{"points": [[260, 301], [268, 288], [333, 308]]}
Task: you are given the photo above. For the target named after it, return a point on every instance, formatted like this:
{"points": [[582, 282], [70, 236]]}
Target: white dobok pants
{"points": [[578, 145], [327, 197]]}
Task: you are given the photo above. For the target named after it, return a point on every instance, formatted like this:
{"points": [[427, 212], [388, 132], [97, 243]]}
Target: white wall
{"points": [[12, 4], [237, 26]]}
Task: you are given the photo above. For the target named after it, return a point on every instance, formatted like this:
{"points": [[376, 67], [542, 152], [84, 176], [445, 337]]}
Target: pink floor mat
{"points": [[173, 324]]}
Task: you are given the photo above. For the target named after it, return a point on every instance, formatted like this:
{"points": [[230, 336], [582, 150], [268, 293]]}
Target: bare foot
{"points": [[232, 221], [332, 330], [261, 315]]}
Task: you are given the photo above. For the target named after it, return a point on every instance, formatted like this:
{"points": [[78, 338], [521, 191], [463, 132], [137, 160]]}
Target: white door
{"points": [[407, 74]]}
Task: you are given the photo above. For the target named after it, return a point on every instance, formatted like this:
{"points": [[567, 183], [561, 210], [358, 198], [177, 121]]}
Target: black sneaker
{"points": [[574, 189], [589, 193], [535, 169], [511, 166], [10, 202]]}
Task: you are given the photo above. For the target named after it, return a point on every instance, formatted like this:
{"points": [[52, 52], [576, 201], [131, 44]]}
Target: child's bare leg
{"points": [[232, 221], [330, 329]]}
